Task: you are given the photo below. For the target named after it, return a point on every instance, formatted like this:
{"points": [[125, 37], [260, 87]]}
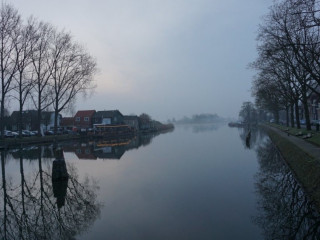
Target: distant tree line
{"points": [[248, 113], [288, 62], [198, 118], [41, 65]]}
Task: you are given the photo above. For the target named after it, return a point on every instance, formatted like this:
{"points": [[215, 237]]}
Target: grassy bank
{"points": [[305, 167], [315, 139]]}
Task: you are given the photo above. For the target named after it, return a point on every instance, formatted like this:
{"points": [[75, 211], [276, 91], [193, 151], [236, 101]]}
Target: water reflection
{"points": [[285, 211], [107, 149], [200, 128], [48, 203], [256, 137]]}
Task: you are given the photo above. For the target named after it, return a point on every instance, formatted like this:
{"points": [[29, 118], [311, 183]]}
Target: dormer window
{"points": [[77, 119], [86, 119]]}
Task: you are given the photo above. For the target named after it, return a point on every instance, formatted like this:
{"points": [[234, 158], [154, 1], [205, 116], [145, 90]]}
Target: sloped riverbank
{"points": [[302, 157]]}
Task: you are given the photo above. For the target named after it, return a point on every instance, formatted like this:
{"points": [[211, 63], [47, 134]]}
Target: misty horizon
{"points": [[168, 59]]}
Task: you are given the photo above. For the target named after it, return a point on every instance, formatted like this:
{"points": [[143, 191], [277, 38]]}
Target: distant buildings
{"points": [[83, 120], [30, 120]]}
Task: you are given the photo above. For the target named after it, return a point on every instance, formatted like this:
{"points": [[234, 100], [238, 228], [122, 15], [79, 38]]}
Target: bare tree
{"points": [[73, 70], [9, 22], [42, 69], [24, 42]]}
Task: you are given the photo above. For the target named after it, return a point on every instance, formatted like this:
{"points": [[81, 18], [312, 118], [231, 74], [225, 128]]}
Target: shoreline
{"points": [[36, 140], [303, 163]]}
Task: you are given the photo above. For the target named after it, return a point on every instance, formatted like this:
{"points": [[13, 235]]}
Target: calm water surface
{"points": [[197, 182]]}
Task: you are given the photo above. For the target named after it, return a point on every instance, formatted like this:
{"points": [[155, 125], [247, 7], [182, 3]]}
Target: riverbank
{"points": [[36, 140], [302, 157]]}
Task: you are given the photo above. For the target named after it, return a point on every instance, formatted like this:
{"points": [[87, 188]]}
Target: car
{"points": [[15, 134], [26, 133], [49, 132], [34, 133], [8, 134]]}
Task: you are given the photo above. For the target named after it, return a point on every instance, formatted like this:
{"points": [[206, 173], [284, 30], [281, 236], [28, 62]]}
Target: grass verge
{"points": [[305, 167], [315, 139]]}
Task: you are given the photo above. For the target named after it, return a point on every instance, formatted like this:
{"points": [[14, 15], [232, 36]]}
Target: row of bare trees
{"points": [[288, 62], [40, 64]]}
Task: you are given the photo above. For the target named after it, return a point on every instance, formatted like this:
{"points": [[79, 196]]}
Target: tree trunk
{"points": [[292, 114], [39, 122], [2, 117], [297, 114], [20, 119], [287, 116], [56, 117], [306, 113]]}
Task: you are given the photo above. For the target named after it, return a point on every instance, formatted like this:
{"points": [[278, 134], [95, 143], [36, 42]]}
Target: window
{"points": [[86, 119], [77, 119]]}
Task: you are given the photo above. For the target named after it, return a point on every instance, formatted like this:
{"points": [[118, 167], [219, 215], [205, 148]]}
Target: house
{"points": [[113, 117], [30, 120], [132, 121], [67, 123], [47, 121], [84, 118]]}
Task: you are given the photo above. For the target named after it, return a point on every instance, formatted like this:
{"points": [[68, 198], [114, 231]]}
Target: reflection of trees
{"points": [[285, 211], [205, 127], [41, 206], [256, 136]]}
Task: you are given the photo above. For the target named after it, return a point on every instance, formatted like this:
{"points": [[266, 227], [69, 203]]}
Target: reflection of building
{"points": [[85, 151], [106, 149], [33, 152], [110, 152]]}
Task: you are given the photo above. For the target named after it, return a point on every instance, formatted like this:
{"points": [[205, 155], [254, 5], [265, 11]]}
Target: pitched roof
{"points": [[130, 117], [85, 113], [108, 114]]}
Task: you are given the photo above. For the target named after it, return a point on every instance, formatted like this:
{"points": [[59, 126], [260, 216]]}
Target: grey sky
{"points": [[168, 58]]}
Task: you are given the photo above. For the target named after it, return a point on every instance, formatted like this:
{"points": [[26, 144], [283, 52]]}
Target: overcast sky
{"points": [[168, 58]]}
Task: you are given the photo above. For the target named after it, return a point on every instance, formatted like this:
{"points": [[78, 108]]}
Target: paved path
{"points": [[307, 147]]}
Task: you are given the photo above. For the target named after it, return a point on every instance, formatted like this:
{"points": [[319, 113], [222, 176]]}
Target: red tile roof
{"points": [[85, 113]]}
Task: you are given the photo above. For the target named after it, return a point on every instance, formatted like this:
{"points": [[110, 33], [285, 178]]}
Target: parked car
{"points": [[8, 134], [34, 133], [26, 133], [49, 132], [15, 134]]}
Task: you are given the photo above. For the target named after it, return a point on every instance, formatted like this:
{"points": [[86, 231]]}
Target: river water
{"points": [[197, 182]]}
